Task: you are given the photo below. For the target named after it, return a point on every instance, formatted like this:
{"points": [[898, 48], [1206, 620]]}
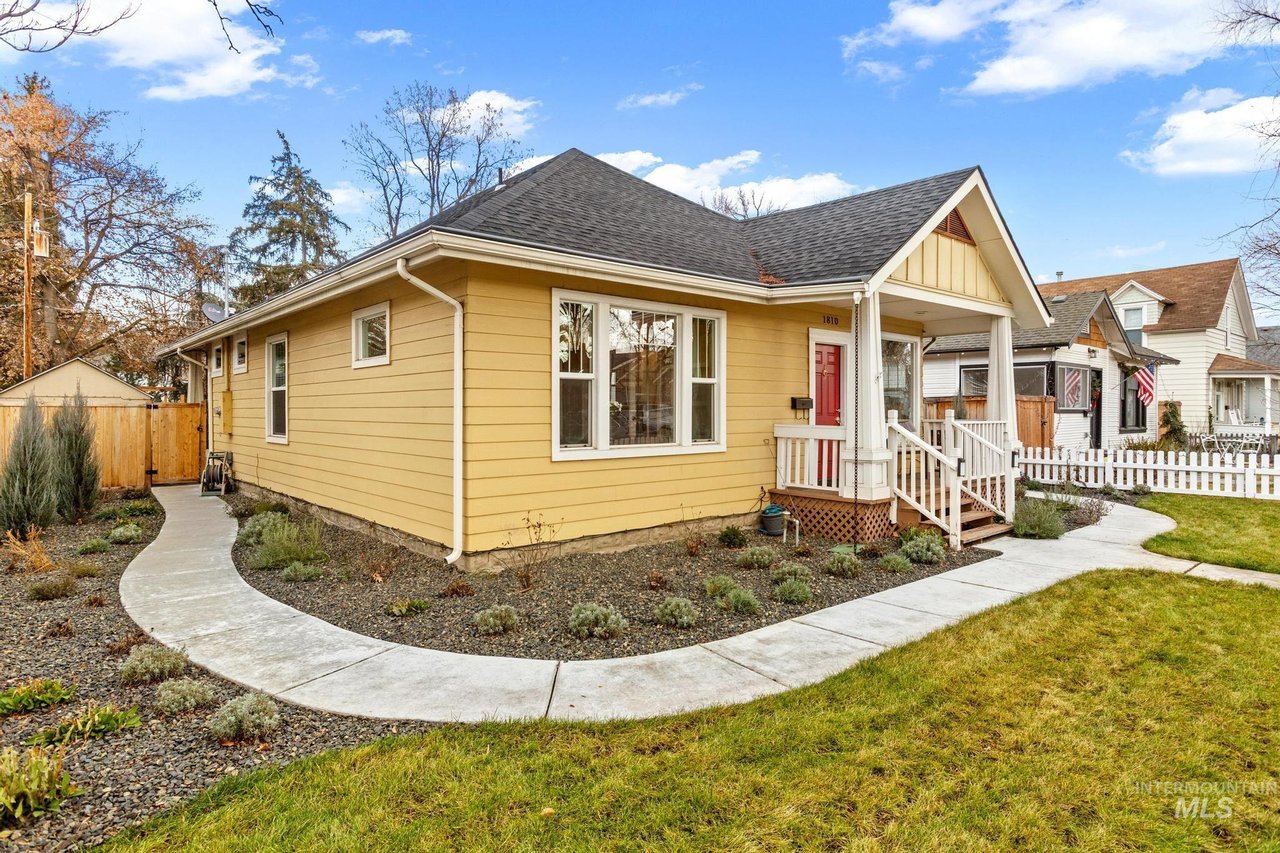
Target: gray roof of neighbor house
{"points": [[575, 202], [1071, 315], [1267, 348]]}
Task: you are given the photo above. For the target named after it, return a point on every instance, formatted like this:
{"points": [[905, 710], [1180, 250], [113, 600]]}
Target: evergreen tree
{"points": [[290, 231], [76, 473], [26, 493]]}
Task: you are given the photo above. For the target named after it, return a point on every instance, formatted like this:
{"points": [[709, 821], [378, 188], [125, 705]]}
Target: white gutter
{"points": [[402, 267], [208, 392]]}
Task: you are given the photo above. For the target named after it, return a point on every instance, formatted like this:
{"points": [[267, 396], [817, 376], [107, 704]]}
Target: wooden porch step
{"points": [[986, 531], [967, 517]]}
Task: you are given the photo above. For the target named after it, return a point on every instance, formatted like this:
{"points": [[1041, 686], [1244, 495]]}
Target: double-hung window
{"points": [[1073, 389], [1133, 321], [278, 389], [371, 335], [635, 378]]}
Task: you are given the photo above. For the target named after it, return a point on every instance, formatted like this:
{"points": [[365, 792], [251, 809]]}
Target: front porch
{"points": [[1244, 403]]}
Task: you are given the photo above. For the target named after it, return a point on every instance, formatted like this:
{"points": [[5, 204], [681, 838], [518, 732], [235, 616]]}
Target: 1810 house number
{"points": [[830, 320]]}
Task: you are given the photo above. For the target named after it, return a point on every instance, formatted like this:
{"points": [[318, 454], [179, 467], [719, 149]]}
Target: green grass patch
{"points": [[1030, 726], [1235, 532]]}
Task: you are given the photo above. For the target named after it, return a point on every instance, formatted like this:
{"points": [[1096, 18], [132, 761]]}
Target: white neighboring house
{"points": [[1199, 314], [1081, 361]]}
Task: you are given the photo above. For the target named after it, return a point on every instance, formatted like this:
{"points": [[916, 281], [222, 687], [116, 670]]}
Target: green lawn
{"points": [[1026, 726], [1228, 531]]}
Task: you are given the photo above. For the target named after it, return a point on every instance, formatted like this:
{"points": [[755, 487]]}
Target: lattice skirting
{"points": [[840, 520]]}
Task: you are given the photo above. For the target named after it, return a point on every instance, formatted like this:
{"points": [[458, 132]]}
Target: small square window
{"points": [[240, 353], [371, 336], [215, 362]]}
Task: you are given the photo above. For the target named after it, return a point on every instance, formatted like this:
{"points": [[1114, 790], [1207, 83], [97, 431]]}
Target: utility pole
{"points": [[26, 287]]}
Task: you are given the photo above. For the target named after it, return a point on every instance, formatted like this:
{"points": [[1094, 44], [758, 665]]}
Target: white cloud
{"points": [[1048, 45], [704, 181], [884, 72], [659, 99], [392, 37], [1134, 251], [1208, 132], [528, 163], [517, 113], [182, 54], [348, 198], [631, 161]]}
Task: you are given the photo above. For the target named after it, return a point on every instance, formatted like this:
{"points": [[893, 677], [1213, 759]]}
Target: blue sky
{"points": [[1113, 133]]}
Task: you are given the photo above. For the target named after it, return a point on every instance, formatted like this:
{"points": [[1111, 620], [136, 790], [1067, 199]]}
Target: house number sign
{"points": [[830, 320]]}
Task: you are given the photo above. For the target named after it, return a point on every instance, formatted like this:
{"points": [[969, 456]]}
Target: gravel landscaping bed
{"points": [[130, 774], [361, 576]]}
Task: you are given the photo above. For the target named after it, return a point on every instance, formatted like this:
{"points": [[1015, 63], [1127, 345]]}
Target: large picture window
{"points": [[1073, 389], [1028, 379], [636, 378], [278, 389]]}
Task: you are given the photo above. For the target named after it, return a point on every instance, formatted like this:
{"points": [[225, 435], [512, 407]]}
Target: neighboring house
{"points": [[1199, 314], [1084, 361], [57, 384], [579, 345]]}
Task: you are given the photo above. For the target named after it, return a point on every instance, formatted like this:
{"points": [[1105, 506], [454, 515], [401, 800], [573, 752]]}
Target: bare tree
{"points": [[24, 27], [743, 203], [433, 148], [262, 13]]}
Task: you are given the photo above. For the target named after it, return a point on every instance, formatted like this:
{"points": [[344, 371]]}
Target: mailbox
{"points": [[801, 404]]}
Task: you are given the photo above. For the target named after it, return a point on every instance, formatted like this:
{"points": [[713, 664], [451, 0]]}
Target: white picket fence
{"points": [[1239, 475]]}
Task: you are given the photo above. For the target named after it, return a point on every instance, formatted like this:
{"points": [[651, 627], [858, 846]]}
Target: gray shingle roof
{"points": [[1267, 348], [574, 202], [1071, 316]]}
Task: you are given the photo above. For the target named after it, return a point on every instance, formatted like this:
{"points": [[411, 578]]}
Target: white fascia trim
{"points": [[381, 309], [1145, 291]]}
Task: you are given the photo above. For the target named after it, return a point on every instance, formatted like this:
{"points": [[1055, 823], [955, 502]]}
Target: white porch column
{"points": [[1266, 404], [864, 378], [1001, 401]]}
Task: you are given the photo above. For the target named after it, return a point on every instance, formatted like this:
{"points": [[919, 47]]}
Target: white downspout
{"points": [[402, 267], [208, 392]]}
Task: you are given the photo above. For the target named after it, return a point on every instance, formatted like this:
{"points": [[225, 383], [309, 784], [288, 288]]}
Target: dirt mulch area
{"points": [[132, 774], [361, 576]]}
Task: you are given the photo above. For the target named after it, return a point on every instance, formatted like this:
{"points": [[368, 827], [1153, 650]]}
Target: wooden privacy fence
{"points": [[1035, 415], [1238, 475], [138, 446]]}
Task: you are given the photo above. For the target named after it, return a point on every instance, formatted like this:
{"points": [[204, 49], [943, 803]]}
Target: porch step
{"points": [[986, 531], [969, 516]]}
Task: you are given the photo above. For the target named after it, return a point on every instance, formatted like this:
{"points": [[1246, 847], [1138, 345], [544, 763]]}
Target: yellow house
{"points": [[579, 345]]}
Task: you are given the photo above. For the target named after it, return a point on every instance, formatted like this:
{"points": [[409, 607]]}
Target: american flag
{"points": [[1146, 377]]}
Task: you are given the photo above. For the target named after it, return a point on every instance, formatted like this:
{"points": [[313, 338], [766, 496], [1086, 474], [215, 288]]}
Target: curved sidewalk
{"points": [[184, 591]]}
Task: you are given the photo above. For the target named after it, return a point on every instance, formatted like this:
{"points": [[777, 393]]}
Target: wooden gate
{"points": [[1035, 416], [177, 442]]}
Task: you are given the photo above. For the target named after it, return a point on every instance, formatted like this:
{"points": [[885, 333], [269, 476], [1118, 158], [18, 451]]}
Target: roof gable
{"points": [[62, 380]]}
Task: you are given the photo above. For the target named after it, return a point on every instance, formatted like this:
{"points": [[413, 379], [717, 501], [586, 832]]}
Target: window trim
{"points": [[217, 360], [1086, 384], [1027, 365], [682, 416], [1142, 321], [359, 315], [271, 437], [1120, 415], [238, 366], [917, 373]]}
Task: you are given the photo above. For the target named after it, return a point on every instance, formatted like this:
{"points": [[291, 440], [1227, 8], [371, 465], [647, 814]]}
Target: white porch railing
{"points": [[1241, 475], [987, 472], [925, 479], [809, 456]]}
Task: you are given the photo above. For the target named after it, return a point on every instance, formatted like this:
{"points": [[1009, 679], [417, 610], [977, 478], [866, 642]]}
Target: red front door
{"points": [[827, 384]]}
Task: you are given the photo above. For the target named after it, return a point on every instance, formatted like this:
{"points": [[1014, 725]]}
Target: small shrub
{"points": [[676, 613], [32, 784], [759, 557], [693, 544], [97, 599], [63, 630], [802, 549], [895, 563], [496, 620], [180, 695], [732, 537], [297, 572], [26, 500], [261, 507], [1036, 519], [718, 585], [137, 509], [27, 555], [926, 547], [83, 569], [284, 543], [794, 591], [125, 644], [871, 550], [789, 571], [107, 513], [457, 588], [740, 601], [125, 534], [906, 534], [403, 607], [1109, 490], [246, 718], [150, 663], [62, 586], [1141, 490], [96, 545], [251, 531], [1089, 511], [595, 620], [34, 694], [843, 565], [657, 580], [1031, 485], [93, 722]]}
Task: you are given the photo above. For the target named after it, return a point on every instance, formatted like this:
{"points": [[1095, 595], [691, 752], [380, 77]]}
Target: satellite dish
{"points": [[213, 311]]}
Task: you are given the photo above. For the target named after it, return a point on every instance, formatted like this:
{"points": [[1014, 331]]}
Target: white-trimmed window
{"points": [[371, 335], [1028, 379], [215, 361], [1133, 322], [635, 378], [278, 389], [1073, 389], [240, 353]]}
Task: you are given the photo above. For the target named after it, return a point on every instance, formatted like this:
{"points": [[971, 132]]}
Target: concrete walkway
{"points": [[184, 590]]}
